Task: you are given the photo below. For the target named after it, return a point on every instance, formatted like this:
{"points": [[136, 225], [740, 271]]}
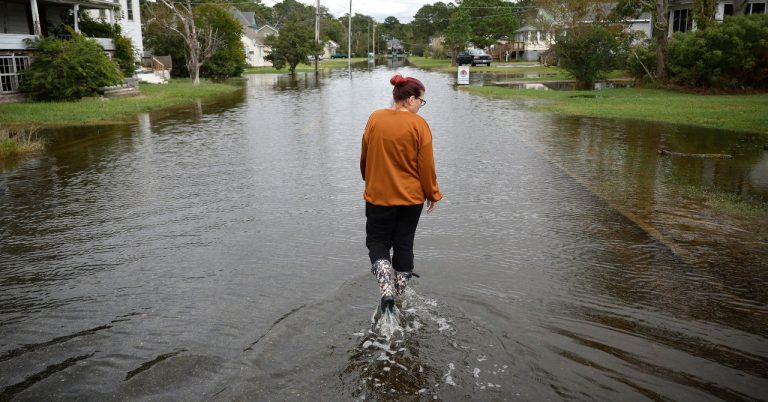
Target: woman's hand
{"points": [[431, 205]]}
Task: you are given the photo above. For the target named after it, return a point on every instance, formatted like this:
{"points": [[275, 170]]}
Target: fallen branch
{"points": [[662, 151]]}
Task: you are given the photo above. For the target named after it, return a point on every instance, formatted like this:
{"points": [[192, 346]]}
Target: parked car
{"points": [[312, 57], [339, 56], [474, 57]]}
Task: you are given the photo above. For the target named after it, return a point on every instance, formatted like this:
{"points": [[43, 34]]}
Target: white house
{"points": [[536, 40], [253, 38], [681, 13], [532, 42], [329, 49], [253, 44], [27, 19], [128, 16]]}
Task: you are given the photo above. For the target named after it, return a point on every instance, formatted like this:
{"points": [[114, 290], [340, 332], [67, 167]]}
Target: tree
{"points": [[200, 42], [490, 20], [229, 60], [458, 33], [739, 6], [292, 11], [291, 46], [659, 10], [431, 20], [392, 28], [704, 13], [589, 51], [161, 40]]}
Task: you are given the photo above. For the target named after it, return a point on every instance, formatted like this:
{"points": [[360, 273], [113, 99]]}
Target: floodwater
{"points": [[215, 252]]}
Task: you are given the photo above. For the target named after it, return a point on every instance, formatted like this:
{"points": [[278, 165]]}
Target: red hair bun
{"points": [[398, 80]]}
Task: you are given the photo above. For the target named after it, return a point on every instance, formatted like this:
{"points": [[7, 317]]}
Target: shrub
{"points": [[733, 54], [588, 52], [641, 57], [68, 69], [123, 56], [92, 28]]}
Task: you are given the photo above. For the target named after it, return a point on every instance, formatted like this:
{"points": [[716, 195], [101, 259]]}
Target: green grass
{"points": [[97, 111], [306, 68], [733, 204], [430, 63], [512, 68], [23, 142], [727, 112]]}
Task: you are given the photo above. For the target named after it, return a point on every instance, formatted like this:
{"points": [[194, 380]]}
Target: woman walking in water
{"points": [[399, 172]]}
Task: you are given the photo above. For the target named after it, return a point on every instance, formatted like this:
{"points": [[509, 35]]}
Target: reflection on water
{"points": [[214, 252]]}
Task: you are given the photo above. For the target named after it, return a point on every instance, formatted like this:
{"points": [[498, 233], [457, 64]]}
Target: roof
{"points": [[251, 34], [245, 18], [267, 27]]}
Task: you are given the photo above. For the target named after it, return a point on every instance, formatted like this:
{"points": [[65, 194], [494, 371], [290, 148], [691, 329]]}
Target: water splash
{"points": [[387, 324]]}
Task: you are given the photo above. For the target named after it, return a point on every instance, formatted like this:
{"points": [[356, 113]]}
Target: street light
{"points": [[317, 33]]}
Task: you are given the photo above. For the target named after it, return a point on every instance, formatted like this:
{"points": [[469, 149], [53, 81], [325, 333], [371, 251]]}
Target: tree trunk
{"points": [[661, 26], [739, 6], [582, 85], [194, 70], [193, 45]]}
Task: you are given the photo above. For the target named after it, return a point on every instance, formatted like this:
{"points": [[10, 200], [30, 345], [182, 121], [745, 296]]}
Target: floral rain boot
{"points": [[401, 282], [384, 273]]}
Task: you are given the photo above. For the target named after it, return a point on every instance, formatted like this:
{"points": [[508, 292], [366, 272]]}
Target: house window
{"points": [[681, 21], [12, 72], [755, 8], [129, 9], [750, 8]]}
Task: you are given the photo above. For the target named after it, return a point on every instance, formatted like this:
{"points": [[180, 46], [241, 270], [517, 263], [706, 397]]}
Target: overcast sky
{"points": [[403, 10]]}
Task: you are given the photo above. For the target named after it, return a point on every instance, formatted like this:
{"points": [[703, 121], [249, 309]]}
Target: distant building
{"points": [[394, 46], [256, 50], [329, 49], [253, 38]]}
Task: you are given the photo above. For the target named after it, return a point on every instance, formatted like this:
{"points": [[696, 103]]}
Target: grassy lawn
{"points": [[526, 69], [306, 68], [728, 112], [96, 111]]}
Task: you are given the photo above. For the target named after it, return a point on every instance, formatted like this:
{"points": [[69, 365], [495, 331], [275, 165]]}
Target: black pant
{"points": [[392, 227]]}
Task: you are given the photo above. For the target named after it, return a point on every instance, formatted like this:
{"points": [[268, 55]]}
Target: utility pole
{"points": [[349, 37], [374, 41], [317, 34]]}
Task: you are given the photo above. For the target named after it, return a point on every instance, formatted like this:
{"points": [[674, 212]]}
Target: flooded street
{"points": [[216, 252]]}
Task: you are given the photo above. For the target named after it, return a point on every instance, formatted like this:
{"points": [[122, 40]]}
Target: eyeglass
{"points": [[423, 102]]}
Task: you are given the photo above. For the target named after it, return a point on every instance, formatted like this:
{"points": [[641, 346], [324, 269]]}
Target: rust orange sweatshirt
{"points": [[396, 159]]}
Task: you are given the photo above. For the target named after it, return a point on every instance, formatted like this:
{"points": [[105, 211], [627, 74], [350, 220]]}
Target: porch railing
{"points": [[157, 65]]}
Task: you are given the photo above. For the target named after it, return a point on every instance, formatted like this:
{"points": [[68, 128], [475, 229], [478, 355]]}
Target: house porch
{"points": [[29, 19]]}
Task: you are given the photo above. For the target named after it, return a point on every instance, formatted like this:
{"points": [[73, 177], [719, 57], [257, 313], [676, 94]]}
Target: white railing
{"points": [[14, 41]]}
